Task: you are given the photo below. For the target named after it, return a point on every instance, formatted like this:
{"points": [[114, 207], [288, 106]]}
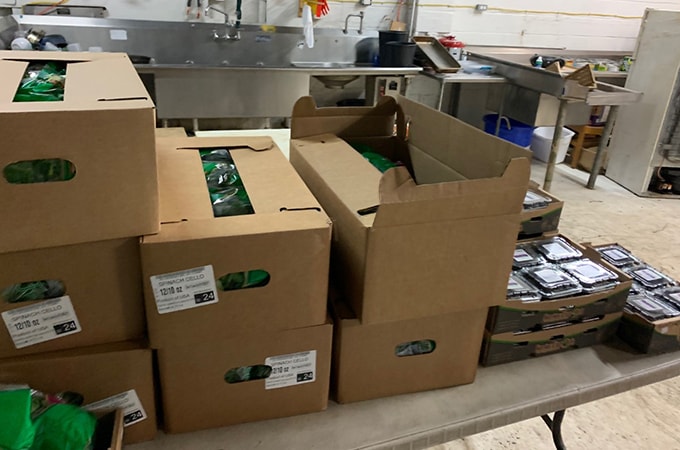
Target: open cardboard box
{"points": [[103, 300], [366, 365], [510, 346], [288, 236], [643, 334], [535, 222], [105, 128], [647, 336], [111, 376], [432, 237], [198, 393], [515, 315]]}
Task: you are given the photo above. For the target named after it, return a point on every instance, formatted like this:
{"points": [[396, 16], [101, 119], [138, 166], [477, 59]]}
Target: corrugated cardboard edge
{"points": [[380, 120]]}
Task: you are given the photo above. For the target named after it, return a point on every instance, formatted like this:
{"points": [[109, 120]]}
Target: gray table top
{"points": [[500, 395]]}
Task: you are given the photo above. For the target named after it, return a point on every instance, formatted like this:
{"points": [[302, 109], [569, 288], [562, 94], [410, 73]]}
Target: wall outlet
{"points": [[365, 2], [481, 7]]}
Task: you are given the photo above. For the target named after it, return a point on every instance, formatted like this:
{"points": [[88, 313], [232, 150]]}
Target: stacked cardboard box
{"points": [[419, 252], [540, 213], [74, 243], [235, 355], [651, 317], [526, 328]]}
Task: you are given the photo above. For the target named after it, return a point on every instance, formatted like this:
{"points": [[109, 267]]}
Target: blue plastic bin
{"points": [[511, 130]]}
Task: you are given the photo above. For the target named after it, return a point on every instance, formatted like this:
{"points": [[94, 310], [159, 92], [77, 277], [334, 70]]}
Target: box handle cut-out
{"points": [[243, 280], [39, 171], [414, 348], [247, 373], [33, 290]]}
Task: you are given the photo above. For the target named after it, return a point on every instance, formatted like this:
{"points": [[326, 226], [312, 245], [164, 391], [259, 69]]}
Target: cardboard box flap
{"points": [[403, 202], [455, 144], [347, 122], [272, 184], [88, 81], [12, 73]]}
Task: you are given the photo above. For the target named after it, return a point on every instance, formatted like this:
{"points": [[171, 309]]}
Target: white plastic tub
{"points": [[542, 139]]}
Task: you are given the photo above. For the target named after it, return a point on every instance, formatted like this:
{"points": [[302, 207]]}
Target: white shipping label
{"points": [[291, 370], [184, 289], [133, 411], [118, 35], [40, 322]]}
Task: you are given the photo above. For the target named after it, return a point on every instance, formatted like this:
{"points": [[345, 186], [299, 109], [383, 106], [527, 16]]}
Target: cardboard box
{"points": [[507, 347], [535, 222], [197, 396], [437, 247], [365, 364], [587, 159], [104, 374], [103, 300], [515, 315], [648, 336], [288, 236], [105, 128]]}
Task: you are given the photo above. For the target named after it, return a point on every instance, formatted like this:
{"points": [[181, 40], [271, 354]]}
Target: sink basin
{"points": [[321, 65], [336, 81]]}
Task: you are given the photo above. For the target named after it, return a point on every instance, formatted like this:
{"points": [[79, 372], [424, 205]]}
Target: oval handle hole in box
{"points": [[39, 171], [244, 280], [33, 290], [247, 373], [414, 348]]}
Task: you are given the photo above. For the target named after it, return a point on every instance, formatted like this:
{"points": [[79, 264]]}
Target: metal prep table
{"points": [[513, 65], [499, 396]]}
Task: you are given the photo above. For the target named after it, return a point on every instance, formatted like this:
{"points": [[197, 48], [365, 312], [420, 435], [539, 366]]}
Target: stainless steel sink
{"points": [[321, 65]]}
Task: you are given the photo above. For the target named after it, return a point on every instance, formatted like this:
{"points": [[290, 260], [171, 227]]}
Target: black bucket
{"points": [[398, 54], [386, 36]]}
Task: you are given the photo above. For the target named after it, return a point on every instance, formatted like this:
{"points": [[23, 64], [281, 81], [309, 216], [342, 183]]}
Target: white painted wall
{"points": [[576, 24]]}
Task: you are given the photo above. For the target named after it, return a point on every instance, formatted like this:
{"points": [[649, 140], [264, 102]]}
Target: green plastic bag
{"points": [[244, 280], [17, 431], [64, 427], [33, 290], [228, 195], [247, 373], [42, 82]]}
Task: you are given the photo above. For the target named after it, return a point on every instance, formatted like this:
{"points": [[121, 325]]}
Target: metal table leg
{"points": [[604, 140], [555, 425], [557, 135], [501, 107]]}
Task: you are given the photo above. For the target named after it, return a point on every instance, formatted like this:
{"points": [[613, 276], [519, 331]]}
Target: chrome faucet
{"points": [[361, 21], [231, 34]]}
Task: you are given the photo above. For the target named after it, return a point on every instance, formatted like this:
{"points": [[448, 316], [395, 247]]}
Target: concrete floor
{"points": [[644, 418]]}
